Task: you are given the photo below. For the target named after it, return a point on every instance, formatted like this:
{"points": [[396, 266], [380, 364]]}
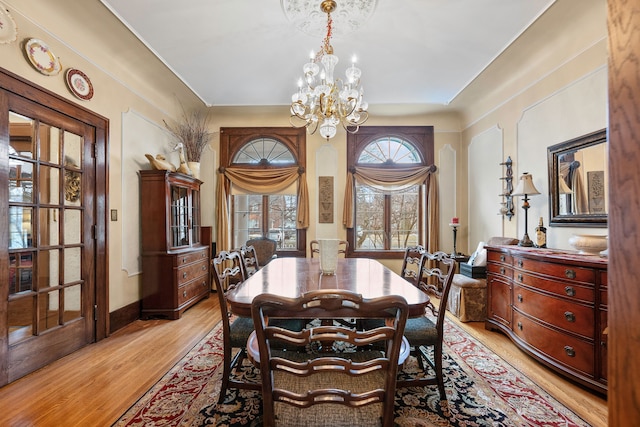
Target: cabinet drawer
{"points": [[193, 289], [189, 272], [569, 351], [573, 291], [560, 271], [503, 270], [190, 257], [557, 312], [499, 257]]}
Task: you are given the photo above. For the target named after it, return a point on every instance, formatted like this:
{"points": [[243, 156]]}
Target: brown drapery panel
{"points": [[394, 180], [262, 181]]}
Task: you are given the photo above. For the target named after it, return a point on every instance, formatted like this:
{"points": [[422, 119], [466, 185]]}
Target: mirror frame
{"points": [[553, 153]]}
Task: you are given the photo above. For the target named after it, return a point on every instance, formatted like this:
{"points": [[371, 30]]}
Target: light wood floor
{"points": [[97, 384]]}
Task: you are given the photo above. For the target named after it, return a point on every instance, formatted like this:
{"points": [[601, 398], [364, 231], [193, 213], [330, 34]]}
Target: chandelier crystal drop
{"points": [[322, 102]]}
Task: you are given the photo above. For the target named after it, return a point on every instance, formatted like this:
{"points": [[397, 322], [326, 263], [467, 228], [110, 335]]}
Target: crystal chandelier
{"points": [[322, 102]]}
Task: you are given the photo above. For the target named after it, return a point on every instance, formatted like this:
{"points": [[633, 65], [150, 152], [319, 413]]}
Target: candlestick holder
{"points": [[454, 226]]}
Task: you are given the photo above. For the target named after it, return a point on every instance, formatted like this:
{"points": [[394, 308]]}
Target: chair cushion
{"points": [[239, 331], [420, 331]]}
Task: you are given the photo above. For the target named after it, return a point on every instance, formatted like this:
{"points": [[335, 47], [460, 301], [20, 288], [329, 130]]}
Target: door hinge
{"points": [[95, 151], [95, 313]]}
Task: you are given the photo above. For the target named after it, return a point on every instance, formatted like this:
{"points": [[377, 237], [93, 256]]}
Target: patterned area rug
{"points": [[482, 390]]}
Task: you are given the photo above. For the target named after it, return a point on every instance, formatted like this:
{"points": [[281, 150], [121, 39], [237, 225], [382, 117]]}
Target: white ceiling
{"points": [[246, 52]]}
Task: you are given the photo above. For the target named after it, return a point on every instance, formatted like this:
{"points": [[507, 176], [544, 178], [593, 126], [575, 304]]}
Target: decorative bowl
{"points": [[589, 244]]}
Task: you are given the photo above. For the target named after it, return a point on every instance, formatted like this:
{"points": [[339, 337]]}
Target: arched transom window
{"points": [[389, 150], [264, 151]]}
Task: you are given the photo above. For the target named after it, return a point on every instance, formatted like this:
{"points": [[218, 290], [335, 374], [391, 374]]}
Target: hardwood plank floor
{"points": [[97, 384]]}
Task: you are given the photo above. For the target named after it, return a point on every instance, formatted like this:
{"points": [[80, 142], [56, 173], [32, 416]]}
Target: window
{"points": [[271, 214], [389, 210]]}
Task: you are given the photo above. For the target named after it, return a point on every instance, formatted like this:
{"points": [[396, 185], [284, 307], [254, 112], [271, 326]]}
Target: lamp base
{"points": [[525, 241]]}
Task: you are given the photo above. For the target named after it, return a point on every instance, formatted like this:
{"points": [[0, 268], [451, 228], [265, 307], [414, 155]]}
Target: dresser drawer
{"points": [[557, 312], [559, 271], [193, 289], [501, 269], [191, 271], [569, 351], [499, 257], [190, 257], [572, 291]]}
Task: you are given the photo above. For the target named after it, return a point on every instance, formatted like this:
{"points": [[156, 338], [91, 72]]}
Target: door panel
{"points": [[51, 247]]}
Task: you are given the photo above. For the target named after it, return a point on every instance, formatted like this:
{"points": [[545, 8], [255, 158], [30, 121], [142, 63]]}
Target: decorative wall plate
{"points": [[79, 84], [42, 58], [8, 28]]}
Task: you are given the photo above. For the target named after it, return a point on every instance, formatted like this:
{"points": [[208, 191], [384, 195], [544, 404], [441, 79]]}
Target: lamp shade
{"points": [[525, 186]]}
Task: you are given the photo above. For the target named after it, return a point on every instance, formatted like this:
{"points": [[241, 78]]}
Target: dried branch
{"points": [[193, 132]]}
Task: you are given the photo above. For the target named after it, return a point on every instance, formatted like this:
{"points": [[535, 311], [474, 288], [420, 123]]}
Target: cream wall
{"points": [[549, 87]]}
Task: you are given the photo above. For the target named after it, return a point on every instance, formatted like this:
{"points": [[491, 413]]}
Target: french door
{"points": [[49, 232]]}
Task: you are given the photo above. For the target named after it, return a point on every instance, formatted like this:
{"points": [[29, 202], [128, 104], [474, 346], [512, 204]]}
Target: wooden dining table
{"points": [[292, 277]]}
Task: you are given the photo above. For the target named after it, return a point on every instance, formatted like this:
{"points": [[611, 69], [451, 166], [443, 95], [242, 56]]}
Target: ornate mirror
{"points": [[578, 180]]}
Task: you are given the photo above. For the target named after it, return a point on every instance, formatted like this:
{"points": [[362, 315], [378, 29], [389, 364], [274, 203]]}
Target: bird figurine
{"points": [[160, 163], [183, 168]]}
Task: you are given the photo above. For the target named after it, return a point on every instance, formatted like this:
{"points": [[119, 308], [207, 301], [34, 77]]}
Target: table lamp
{"points": [[525, 188]]}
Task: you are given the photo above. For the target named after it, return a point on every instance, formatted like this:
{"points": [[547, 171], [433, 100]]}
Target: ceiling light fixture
{"points": [[322, 102]]}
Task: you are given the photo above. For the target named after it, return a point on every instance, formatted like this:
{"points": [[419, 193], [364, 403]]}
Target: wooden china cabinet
{"points": [[175, 250]]}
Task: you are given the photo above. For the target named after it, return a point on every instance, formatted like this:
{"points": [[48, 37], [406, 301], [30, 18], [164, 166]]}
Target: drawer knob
{"points": [[520, 325], [569, 350], [502, 258], [570, 291], [570, 274], [502, 270], [204, 283], [520, 277], [184, 275], [184, 260], [204, 267], [519, 298], [520, 263], [184, 294], [569, 316]]}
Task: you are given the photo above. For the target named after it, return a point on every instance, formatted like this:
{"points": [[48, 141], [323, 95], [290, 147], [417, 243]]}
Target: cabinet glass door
{"points": [[179, 216]]}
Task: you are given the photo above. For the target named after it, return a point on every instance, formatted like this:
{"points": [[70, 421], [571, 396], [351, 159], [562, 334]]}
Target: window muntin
{"points": [[389, 150], [264, 151]]}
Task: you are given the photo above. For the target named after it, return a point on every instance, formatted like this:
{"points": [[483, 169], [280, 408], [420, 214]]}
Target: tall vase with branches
{"points": [[192, 130]]}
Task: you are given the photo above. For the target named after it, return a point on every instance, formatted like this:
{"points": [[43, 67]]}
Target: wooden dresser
{"points": [[553, 305], [175, 248]]}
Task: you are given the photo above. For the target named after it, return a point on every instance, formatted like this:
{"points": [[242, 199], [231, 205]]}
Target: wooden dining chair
{"points": [[327, 387], [412, 264], [265, 249], [227, 274], [314, 247], [425, 336], [250, 260]]}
